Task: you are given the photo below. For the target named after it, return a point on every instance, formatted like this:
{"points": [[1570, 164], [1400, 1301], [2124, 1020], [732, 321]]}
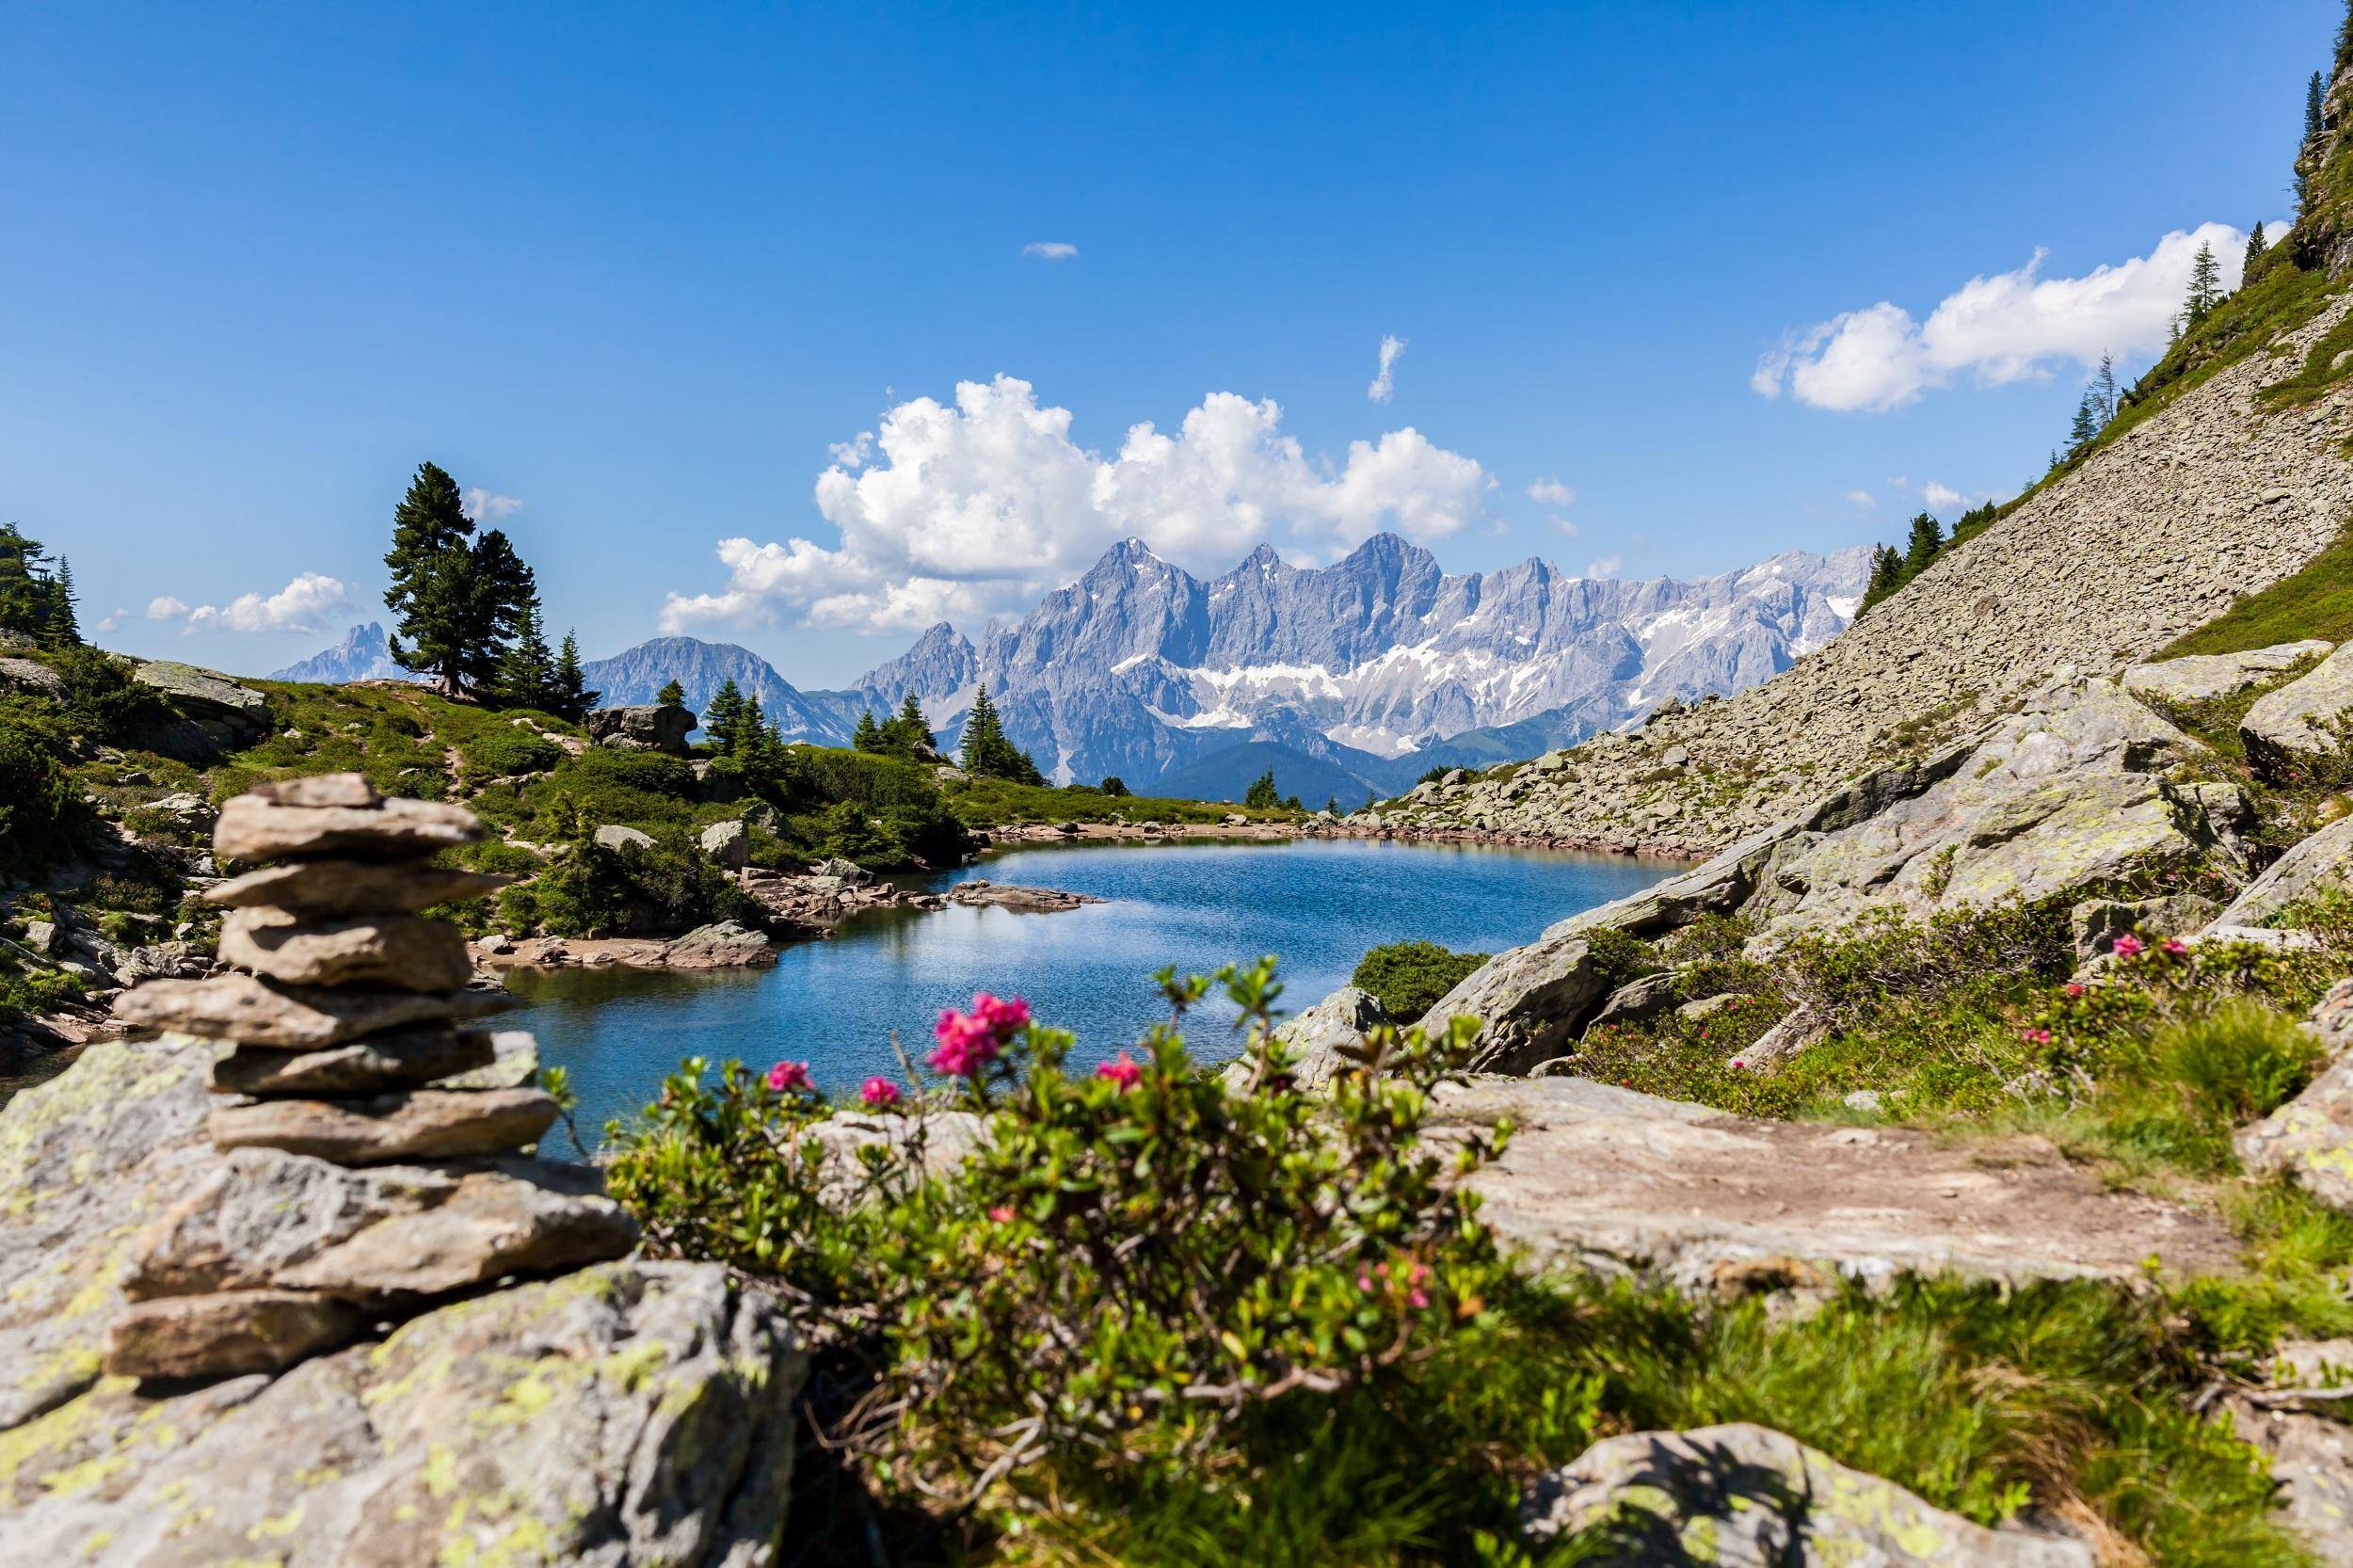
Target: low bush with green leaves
{"points": [[1408, 978]]}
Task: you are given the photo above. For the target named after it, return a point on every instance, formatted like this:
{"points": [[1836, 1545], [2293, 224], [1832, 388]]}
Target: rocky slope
{"points": [[2154, 535]]}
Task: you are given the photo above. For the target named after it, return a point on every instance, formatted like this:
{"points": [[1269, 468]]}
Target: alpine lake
{"points": [[1316, 904]]}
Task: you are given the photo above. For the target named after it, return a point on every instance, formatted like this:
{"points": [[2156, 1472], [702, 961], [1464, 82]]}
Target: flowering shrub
{"points": [[1131, 1261]]}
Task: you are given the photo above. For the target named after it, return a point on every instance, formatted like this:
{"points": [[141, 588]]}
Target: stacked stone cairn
{"points": [[353, 1091]]}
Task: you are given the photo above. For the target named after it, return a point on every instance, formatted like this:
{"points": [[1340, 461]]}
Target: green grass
{"points": [[996, 802], [2316, 601]]}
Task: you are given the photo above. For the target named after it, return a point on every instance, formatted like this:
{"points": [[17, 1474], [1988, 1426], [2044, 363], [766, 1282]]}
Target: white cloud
{"points": [[1384, 383], [301, 605], [981, 507], [1609, 566], [2013, 326], [114, 620], [1551, 492], [489, 507], [1051, 250], [1567, 528], [852, 454], [1862, 498], [1942, 498]]}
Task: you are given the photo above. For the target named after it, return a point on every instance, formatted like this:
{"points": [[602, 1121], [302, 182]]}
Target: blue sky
{"points": [[635, 273]]}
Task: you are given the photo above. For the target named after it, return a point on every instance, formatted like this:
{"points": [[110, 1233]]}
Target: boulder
{"points": [[1317, 1037], [724, 945], [2316, 864], [1530, 1001], [291, 1018], [2311, 1461], [404, 1060], [228, 1334], [643, 728], [161, 961], [2300, 724], [378, 1129], [267, 1220], [1748, 1496], [631, 1415], [728, 845], [251, 828], [407, 953], [2098, 923], [1645, 998], [354, 887], [30, 675], [1676, 1194], [2204, 676], [207, 692], [614, 835], [848, 871], [2310, 1137]]}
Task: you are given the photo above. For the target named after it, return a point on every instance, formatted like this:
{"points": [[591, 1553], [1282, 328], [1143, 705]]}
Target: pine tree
{"points": [[526, 676], [2086, 428], [672, 695], [2205, 287], [1260, 796], [2255, 248], [2104, 389], [1927, 538], [1332, 804], [36, 595], [460, 599], [63, 627], [987, 752], [868, 735], [752, 730], [1888, 570], [723, 715], [571, 699]]}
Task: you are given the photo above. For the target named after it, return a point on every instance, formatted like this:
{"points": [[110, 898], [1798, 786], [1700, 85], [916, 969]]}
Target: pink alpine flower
{"points": [[878, 1092], [2074, 989], [2035, 1036], [1006, 1015], [970, 1041], [2175, 947], [1123, 1072], [1418, 1299], [2128, 947], [788, 1075], [1003, 1215]]}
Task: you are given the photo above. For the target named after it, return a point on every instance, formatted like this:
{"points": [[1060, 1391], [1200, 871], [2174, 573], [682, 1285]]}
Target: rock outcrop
{"points": [[649, 727], [1748, 1496], [2204, 677], [2303, 720], [1681, 1194]]}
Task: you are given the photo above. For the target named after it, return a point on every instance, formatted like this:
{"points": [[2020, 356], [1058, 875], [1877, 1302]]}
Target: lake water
{"points": [[1317, 902]]}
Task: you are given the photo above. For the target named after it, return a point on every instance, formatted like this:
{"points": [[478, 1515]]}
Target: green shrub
{"points": [[44, 818], [1408, 978], [595, 892], [1619, 958], [510, 750]]}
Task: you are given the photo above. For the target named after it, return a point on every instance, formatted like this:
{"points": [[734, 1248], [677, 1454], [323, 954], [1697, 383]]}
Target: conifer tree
{"points": [[672, 695], [868, 735], [2255, 248], [2103, 387], [36, 596], [526, 676], [63, 627], [1260, 796], [1927, 538], [2086, 428], [723, 715], [2205, 287], [988, 751], [911, 732], [570, 698], [458, 598], [754, 730]]}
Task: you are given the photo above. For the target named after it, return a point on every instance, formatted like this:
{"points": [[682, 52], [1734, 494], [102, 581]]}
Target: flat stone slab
{"points": [[406, 953], [267, 1220], [1031, 901], [631, 1415], [1748, 1496], [421, 1124], [253, 828], [226, 1335], [380, 1062], [353, 887], [291, 1018], [2204, 676], [202, 688], [1629, 1183]]}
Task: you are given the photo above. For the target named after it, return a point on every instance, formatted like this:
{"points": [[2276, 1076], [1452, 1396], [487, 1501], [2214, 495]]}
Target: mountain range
{"points": [[365, 654], [1349, 679]]}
